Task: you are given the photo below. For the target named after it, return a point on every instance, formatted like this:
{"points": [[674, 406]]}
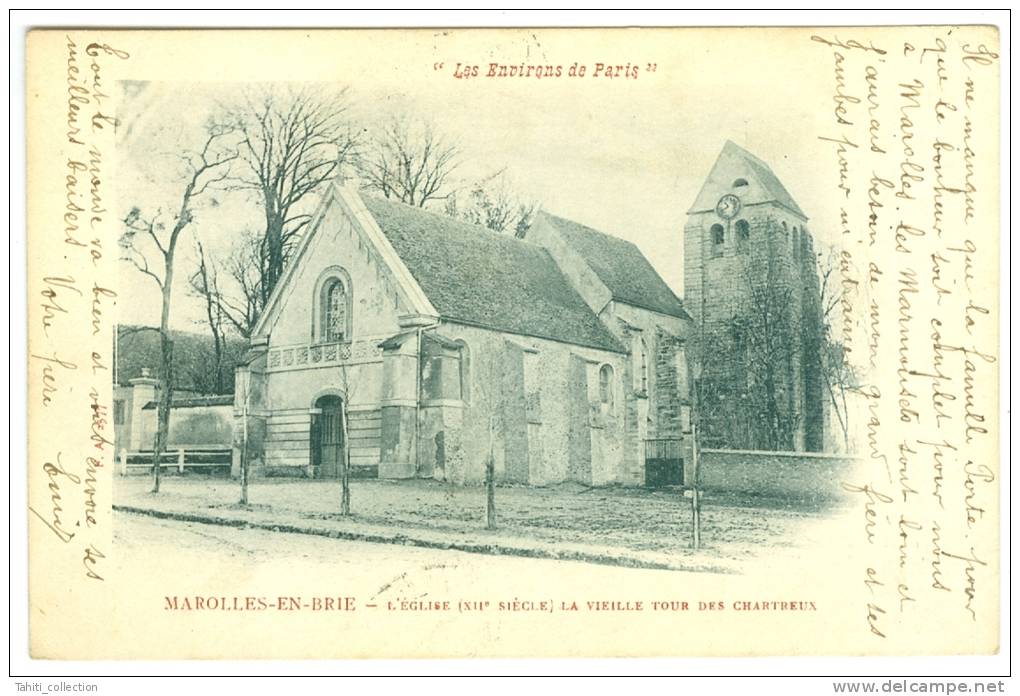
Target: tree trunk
{"points": [[217, 348], [490, 484], [214, 316], [244, 441], [345, 467], [274, 242], [163, 411], [166, 363]]}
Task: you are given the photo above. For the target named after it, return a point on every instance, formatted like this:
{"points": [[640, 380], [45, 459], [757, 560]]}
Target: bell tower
{"points": [[751, 286]]}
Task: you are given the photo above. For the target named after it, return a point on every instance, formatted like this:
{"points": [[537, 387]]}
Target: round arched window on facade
{"points": [[334, 311]]}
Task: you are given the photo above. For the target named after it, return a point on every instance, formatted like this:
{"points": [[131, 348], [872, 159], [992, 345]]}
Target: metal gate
{"points": [[664, 463]]}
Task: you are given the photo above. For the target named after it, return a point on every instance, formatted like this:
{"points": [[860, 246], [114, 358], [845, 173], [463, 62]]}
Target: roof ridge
{"points": [[750, 155], [494, 281], [768, 178], [621, 266], [450, 218], [592, 229]]}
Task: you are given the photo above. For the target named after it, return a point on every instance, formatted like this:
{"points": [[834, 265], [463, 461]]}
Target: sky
{"points": [[627, 157]]}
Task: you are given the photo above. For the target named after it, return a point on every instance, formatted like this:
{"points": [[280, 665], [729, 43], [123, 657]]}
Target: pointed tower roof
{"points": [[760, 184]]}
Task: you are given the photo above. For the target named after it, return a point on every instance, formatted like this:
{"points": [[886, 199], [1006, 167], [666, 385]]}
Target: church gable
{"points": [[621, 270], [339, 286]]}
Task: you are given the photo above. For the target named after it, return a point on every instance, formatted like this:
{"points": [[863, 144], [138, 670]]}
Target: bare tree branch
{"points": [[292, 141], [409, 161], [206, 167], [493, 203]]}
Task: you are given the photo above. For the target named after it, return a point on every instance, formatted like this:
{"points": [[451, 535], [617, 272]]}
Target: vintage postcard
{"points": [[431, 343]]}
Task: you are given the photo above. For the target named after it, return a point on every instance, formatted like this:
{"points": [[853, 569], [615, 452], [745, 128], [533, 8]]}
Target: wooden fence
{"points": [[208, 460]]}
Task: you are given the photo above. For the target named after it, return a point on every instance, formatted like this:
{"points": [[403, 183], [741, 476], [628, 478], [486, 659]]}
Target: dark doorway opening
{"points": [[327, 437]]}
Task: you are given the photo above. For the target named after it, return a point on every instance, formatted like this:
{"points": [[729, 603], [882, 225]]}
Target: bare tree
{"points": [[158, 235], [745, 393], [242, 297], [490, 479], [766, 337], [409, 161], [493, 203], [839, 375], [205, 284], [293, 140], [345, 466]]}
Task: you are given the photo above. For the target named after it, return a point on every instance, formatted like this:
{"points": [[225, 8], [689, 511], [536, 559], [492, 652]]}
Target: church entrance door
{"points": [[327, 437]]}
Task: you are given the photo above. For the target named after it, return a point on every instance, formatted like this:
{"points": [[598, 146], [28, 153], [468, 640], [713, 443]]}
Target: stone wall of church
{"points": [[300, 367], [534, 404], [545, 410], [541, 401], [291, 397], [653, 391], [283, 396]]}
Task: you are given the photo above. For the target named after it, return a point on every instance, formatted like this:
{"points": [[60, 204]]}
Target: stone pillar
{"points": [[249, 407], [143, 391], [398, 456], [579, 428], [533, 412], [514, 415]]}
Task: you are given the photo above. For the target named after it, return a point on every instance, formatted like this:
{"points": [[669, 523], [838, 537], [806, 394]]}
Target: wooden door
{"points": [[327, 437]]}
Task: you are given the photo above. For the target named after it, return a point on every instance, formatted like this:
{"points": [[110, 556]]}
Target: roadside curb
{"points": [[630, 560]]}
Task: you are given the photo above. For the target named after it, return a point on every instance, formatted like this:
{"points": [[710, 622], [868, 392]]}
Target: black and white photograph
{"points": [[514, 342]]}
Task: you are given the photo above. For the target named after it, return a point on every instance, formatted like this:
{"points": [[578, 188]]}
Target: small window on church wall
{"points": [[334, 315], [743, 234], [718, 238], [739, 182], [606, 386]]}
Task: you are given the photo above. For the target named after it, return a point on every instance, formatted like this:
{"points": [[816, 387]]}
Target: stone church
{"points": [[751, 285], [563, 355], [442, 343]]}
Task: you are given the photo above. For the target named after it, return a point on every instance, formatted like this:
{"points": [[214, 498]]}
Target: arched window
{"points": [[739, 182], [795, 242], [743, 234], [606, 386], [335, 319], [718, 239]]}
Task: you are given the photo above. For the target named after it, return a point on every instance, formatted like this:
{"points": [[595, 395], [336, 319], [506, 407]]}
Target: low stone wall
{"points": [[793, 475], [202, 421]]}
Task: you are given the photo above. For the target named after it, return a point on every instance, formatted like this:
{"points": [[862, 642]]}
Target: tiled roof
{"points": [[475, 276], [621, 266]]}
